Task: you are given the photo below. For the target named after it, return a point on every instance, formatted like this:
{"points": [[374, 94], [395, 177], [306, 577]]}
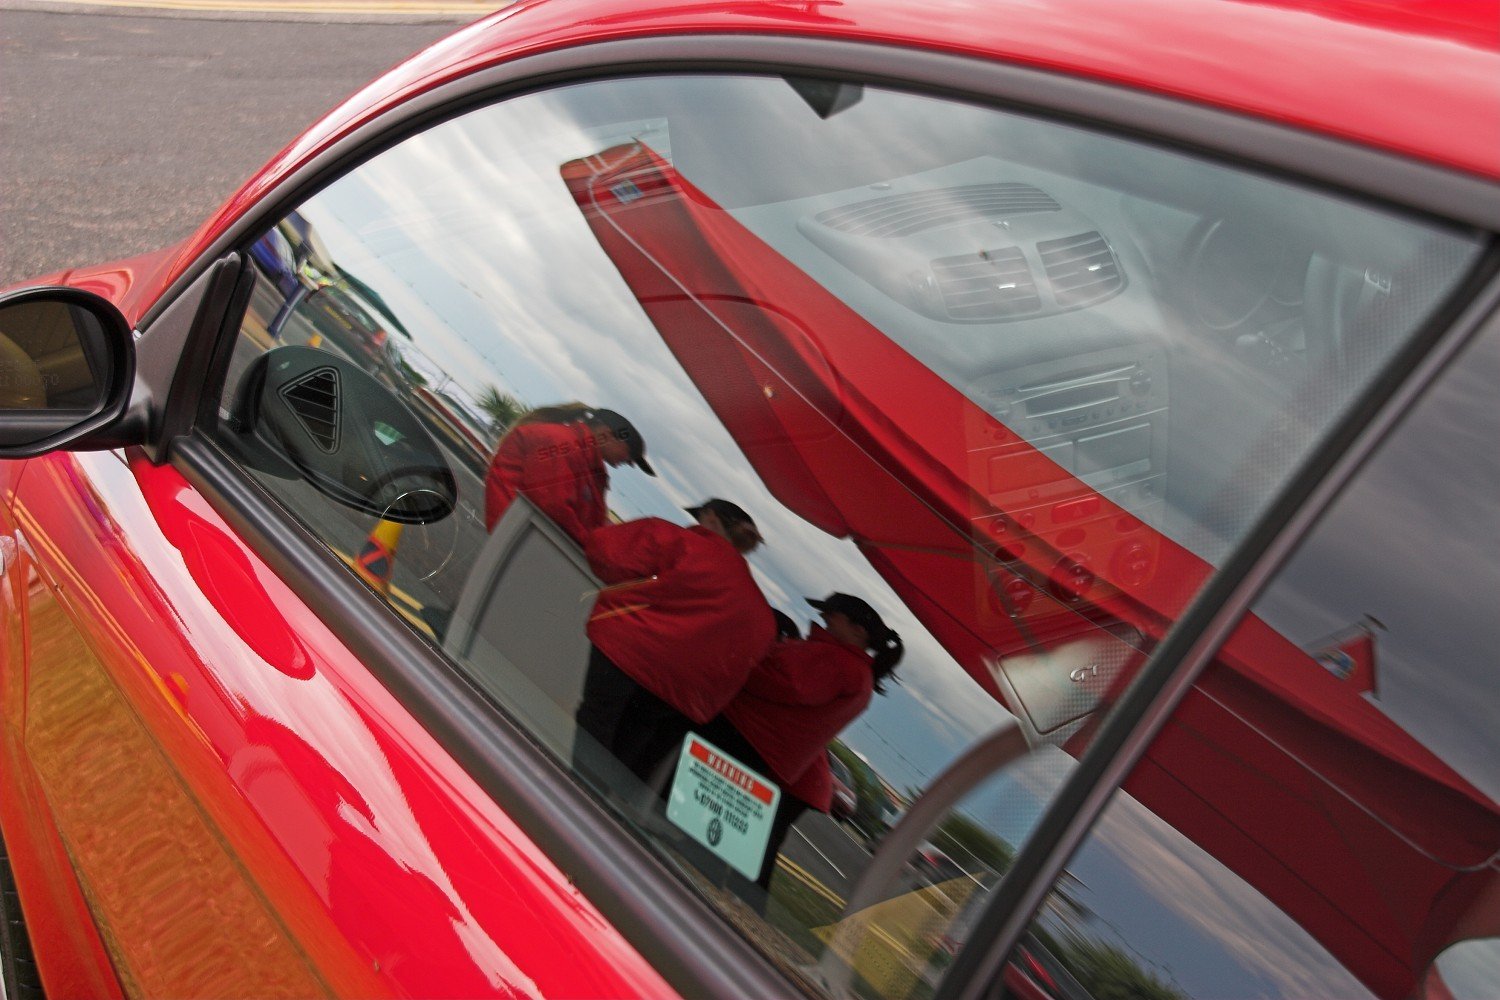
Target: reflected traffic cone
{"points": [[376, 562]]}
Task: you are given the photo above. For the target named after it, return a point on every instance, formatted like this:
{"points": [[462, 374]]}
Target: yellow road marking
{"points": [[801, 874], [404, 604]]}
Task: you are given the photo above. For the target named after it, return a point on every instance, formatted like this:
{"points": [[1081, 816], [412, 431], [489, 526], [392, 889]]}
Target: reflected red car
{"points": [[844, 800], [239, 756]]}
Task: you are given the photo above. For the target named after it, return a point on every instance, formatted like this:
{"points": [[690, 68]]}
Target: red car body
{"points": [[353, 851]]}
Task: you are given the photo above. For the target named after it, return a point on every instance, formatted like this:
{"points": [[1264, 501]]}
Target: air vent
{"points": [[1082, 269], [314, 398], [990, 285], [905, 214]]}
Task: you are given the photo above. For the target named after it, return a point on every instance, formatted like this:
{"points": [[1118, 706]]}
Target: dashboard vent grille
{"points": [[1082, 269], [905, 214], [993, 284], [314, 398]]}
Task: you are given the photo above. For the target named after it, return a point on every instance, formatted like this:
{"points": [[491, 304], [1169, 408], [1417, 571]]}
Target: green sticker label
{"points": [[723, 804], [386, 434]]}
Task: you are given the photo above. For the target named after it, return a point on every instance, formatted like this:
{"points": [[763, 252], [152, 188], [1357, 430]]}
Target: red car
{"points": [[1132, 363], [844, 800]]}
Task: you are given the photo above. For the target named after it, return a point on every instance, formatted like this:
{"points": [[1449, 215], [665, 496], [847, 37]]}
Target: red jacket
{"points": [[815, 787], [559, 468], [797, 700], [688, 622]]}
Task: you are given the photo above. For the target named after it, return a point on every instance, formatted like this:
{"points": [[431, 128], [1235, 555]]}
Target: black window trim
{"points": [[624, 880]]}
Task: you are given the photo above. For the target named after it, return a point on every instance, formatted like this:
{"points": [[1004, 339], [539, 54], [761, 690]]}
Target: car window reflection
{"points": [[783, 480]]}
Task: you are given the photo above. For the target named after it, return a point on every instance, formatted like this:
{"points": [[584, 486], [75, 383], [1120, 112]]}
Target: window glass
{"points": [[1322, 815], [839, 428]]}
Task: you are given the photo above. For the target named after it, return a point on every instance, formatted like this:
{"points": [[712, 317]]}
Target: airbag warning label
{"points": [[722, 804]]}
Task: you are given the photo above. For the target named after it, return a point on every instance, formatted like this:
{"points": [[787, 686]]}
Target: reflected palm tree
{"points": [[502, 408]]}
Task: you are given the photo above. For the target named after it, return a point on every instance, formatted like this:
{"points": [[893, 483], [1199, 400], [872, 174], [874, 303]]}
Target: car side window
{"points": [[1321, 817], [764, 468]]}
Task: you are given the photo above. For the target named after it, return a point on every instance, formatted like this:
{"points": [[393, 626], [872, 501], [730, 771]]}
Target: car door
{"points": [[245, 816], [158, 877], [1010, 382]]}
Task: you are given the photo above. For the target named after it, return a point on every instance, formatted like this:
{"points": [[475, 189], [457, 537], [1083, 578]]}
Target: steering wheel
{"points": [[1003, 745], [1232, 270]]}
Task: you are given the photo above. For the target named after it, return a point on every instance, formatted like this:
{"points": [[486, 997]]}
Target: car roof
{"points": [[1423, 80]]}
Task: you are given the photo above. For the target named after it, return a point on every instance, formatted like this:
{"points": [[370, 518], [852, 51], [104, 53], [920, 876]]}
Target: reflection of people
{"points": [[676, 630], [799, 698], [557, 457], [786, 626]]}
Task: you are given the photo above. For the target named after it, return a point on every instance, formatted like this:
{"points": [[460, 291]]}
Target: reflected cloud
{"points": [[1399, 545], [1168, 874]]}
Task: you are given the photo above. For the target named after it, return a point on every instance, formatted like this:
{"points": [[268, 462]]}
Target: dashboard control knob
{"points": [[1071, 579]]}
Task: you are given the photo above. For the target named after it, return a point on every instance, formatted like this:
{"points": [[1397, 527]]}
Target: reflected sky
{"points": [[1414, 543], [1190, 920]]}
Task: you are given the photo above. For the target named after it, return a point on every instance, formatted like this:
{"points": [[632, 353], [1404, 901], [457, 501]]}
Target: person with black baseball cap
{"points": [[799, 698], [558, 456], [729, 521], [676, 630]]}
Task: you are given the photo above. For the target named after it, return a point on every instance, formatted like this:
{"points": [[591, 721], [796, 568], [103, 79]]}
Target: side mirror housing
{"points": [[67, 366]]}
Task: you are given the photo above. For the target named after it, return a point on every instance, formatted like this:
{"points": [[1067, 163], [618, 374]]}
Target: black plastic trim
{"points": [[1195, 638], [211, 385], [217, 322], [680, 935], [158, 357]]}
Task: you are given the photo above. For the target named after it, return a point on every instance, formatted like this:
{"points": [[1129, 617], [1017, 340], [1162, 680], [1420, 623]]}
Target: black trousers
{"points": [[641, 731], [721, 732], [629, 722]]}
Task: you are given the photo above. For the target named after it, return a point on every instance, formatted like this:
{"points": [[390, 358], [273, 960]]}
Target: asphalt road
{"points": [[120, 132]]}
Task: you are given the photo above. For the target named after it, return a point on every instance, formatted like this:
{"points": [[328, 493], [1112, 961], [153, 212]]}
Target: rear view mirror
{"points": [[67, 363], [304, 413]]}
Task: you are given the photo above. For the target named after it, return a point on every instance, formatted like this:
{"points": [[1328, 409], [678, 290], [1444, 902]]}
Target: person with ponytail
{"points": [[557, 456], [800, 696]]}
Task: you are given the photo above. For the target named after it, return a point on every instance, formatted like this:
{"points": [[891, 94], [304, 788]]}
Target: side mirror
{"points": [[67, 365], [302, 413]]}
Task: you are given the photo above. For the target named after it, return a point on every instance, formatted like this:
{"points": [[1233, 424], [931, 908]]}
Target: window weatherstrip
{"points": [[1153, 118]]}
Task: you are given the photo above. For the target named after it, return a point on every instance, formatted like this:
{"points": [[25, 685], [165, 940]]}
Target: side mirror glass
{"points": [[304, 413], [67, 363]]}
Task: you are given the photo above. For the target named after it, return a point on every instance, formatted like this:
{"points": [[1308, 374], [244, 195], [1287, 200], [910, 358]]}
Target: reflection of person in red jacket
{"points": [[799, 698], [557, 457], [676, 630]]}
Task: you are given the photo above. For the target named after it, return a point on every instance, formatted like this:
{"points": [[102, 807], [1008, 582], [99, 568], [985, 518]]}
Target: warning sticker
{"points": [[722, 804]]}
